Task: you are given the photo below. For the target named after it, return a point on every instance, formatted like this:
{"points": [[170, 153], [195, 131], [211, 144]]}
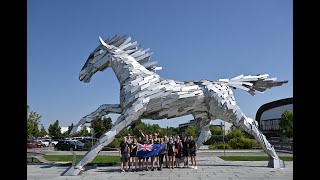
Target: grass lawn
{"points": [[253, 158], [99, 160]]}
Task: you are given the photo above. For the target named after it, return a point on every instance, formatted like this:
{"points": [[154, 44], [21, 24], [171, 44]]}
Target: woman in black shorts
{"points": [[193, 149], [185, 151], [133, 153], [162, 154], [178, 151], [170, 150]]}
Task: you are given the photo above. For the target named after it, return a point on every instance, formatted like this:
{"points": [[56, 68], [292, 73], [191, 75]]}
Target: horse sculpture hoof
{"points": [[73, 171], [276, 163]]}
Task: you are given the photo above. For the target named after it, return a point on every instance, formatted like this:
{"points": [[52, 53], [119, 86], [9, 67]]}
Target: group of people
{"points": [[174, 150]]}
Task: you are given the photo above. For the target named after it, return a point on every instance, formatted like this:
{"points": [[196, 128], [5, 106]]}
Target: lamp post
{"points": [[223, 130], [92, 137], [40, 127]]}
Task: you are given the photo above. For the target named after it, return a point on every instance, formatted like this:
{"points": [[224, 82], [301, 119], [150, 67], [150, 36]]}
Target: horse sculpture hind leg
{"points": [[222, 106], [202, 124]]}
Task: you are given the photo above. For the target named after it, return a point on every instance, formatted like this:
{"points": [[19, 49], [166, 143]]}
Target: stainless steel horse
{"points": [[145, 95]]}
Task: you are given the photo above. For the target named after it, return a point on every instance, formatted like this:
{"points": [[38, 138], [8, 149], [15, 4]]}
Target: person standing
{"points": [[155, 158], [147, 141], [166, 141], [170, 150], [178, 151], [129, 141], [141, 160], [133, 154], [185, 151], [193, 149], [124, 154], [162, 154]]}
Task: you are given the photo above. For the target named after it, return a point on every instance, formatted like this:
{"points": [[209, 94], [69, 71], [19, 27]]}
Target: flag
{"points": [[149, 150]]}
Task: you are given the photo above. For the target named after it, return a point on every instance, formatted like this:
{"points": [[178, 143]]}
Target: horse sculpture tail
{"points": [[251, 84]]}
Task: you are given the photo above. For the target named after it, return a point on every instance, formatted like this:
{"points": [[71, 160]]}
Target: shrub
{"points": [[243, 143], [219, 146], [115, 143]]}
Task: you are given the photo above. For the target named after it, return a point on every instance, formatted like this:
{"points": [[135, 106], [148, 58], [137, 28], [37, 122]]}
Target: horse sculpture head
{"points": [[100, 59]]}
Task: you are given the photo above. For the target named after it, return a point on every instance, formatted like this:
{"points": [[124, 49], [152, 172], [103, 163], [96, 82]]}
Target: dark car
{"points": [[66, 145], [31, 144]]}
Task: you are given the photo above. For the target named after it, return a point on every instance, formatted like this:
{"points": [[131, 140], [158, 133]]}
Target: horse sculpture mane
{"points": [[145, 95], [133, 49]]}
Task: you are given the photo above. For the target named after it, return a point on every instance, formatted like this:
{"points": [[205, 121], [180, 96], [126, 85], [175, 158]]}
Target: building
{"points": [[217, 123], [269, 116]]}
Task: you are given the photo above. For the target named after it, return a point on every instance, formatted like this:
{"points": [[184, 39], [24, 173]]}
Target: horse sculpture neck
{"points": [[127, 69]]}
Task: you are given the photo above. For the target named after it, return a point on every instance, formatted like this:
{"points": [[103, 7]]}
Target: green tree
{"points": [[191, 131], [33, 120], [43, 131], [67, 133], [101, 126], [55, 129], [234, 133], [216, 135], [286, 124], [84, 131]]}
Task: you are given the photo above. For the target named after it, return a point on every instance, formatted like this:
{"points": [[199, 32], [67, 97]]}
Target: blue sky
{"points": [[192, 40]]}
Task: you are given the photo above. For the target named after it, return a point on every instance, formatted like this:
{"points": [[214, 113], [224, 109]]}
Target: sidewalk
{"points": [[209, 167]]}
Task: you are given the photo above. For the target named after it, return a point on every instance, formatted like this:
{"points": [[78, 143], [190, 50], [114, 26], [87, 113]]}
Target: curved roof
{"points": [[272, 105]]}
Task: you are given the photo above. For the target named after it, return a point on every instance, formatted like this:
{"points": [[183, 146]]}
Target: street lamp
{"points": [[223, 130], [92, 137], [41, 125]]}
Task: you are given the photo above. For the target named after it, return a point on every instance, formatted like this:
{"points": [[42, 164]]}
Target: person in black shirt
{"points": [[185, 151], [147, 141], [141, 163], [133, 153], [161, 155], [155, 141], [178, 151], [129, 141], [170, 150], [124, 154], [193, 149]]}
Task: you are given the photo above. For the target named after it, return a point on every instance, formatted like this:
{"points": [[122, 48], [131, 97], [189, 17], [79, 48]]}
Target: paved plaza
{"points": [[209, 167]]}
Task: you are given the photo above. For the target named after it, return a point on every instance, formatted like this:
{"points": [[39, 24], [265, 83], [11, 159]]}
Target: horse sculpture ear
{"points": [[104, 43]]}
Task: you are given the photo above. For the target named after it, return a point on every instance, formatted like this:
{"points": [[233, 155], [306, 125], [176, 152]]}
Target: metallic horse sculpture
{"points": [[145, 95]]}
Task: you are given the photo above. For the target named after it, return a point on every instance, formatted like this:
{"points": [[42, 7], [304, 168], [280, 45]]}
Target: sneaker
{"points": [[191, 167], [195, 167], [147, 169], [152, 169], [132, 170], [122, 170]]}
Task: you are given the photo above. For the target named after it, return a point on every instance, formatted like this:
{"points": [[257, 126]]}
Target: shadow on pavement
{"points": [[235, 165]]}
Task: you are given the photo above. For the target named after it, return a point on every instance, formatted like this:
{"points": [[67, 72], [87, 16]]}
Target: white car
{"points": [[46, 142]]}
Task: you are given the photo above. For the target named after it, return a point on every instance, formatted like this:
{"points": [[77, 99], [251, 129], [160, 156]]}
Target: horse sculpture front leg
{"points": [[100, 112], [123, 121]]}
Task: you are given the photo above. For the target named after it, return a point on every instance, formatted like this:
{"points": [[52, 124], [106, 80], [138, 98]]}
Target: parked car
{"points": [[79, 144], [31, 144], [39, 143], [47, 142], [66, 145]]}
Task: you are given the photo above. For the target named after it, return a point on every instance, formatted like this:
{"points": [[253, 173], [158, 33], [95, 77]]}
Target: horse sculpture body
{"points": [[145, 95]]}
